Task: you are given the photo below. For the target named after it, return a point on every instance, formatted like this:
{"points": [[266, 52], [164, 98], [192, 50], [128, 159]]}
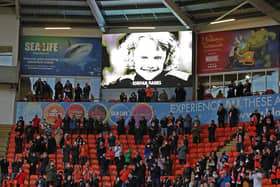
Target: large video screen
{"points": [[157, 59]]}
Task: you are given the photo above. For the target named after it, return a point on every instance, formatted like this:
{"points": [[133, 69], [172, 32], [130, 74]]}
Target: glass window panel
{"points": [[6, 56], [272, 79], [228, 79], [258, 82], [217, 85]]}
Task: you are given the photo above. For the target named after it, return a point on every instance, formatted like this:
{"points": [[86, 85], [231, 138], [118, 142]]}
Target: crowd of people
{"points": [[61, 93], [37, 140], [150, 94]]}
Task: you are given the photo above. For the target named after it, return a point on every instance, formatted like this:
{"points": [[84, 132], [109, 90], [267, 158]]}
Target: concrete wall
{"points": [[9, 30]]}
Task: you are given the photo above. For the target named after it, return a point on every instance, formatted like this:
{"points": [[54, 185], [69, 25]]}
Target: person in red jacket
{"points": [[36, 123], [20, 177], [124, 173], [58, 122]]}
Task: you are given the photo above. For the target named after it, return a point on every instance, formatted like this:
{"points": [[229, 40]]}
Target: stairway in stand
{"points": [[5, 131]]}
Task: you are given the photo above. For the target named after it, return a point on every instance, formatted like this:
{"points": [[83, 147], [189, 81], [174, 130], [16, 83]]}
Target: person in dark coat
{"points": [[141, 95], [155, 174], [112, 140], [51, 174], [103, 163], [58, 179], [182, 152], [221, 115], [58, 90], [51, 145], [180, 94], [15, 167], [44, 162], [75, 154], [143, 125], [211, 131], [20, 125], [121, 126], [66, 153], [29, 132], [78, 93], [233, 116], [131, 125], [18, 141], [196, 133], [33, 161], [240, 90], [86, 91]]}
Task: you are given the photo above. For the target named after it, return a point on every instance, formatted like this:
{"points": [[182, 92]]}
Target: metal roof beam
{"points": [[266, 8], [127, 2], [232, 10], [54, 3], [97, 14], [178, 13]]}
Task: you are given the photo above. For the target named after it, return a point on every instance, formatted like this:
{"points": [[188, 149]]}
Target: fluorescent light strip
{"points": [[141, 28], [222, 21], [58, 28]]}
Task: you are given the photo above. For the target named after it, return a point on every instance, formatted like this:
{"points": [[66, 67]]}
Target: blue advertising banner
{"points": [[205, 110], [48, 55]]}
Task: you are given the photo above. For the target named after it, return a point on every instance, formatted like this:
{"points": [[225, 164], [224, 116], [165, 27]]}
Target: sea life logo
{"points": [[118, 110]]}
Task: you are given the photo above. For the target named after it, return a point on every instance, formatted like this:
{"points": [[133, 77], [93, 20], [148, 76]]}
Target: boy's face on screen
{"points": [[149, 59]]}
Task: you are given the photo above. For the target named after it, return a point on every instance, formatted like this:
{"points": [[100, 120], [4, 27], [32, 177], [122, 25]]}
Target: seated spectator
{"points": [[30, 97], [163, 97], [123, 97], [133, 97], [220, 95]]}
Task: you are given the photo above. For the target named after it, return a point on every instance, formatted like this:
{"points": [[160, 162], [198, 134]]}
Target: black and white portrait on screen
{"points": [[158, 59]]}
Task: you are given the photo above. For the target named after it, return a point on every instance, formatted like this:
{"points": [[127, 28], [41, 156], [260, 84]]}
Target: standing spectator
{"points": [[211, 131], [141, 95], [58, 89], [121, 128], [51, 145], [16, 165], [196, 133], [154, 97], [68, 90], [20, 125], [18, 141], [188, 123], [180, 124], [221, 115], [163, 97], [239, 90], [78, 93], [38, 88], [255, 117], [256, 176], [86, 91], [51, 174], [247, 88], [133, 97], [4, 164], [231, 89], [155, 174], [111, 140], [180, 93], [269, 120], [182, 151], [20, 178], [143, 125], [239, 139], [149, 92], [123, 97], [233, 116], [36, 123], [47, 91], [131, 126]]}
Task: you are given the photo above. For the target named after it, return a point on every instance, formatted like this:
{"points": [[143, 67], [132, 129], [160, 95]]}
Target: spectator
{"points": [[36, 123], [163, 97], [180, 124], [154, 97], [188, 123], [182, 152], [41, 182], [255, 117], [86, 91], [143, 125], [59, 179], [16, 165], [123, 97], [51, 174], [239, 139], [211, 131], [38, 88], [221, 116], [155, 174], [231, 89], [149, 92], [247, 87], [220, 95], [256, 176], [47, 91], [30, 97], [51, 145], [138, 136], [141, 95], [233, 116], [118, 150], [58, 88], [58, 136], [18, 141], [68, 90], [133, 97], [124, 174], [121, 128], [78, 93], [180, 93], [131, 126], [196, 121], [44, 163], [127, 156], [20, 125], [111, 140], [239, 90], [20, 178], [196, 133], [269, 120]]}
